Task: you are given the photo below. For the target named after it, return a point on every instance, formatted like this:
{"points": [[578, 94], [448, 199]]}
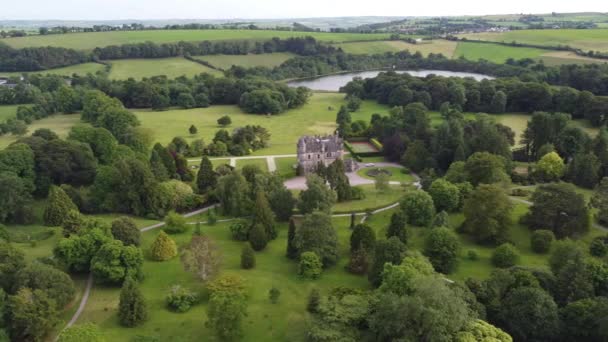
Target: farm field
{"points": [[170, 67], [495, 53], [445, 47], [89, 41], [589, 40], [268, 60], [567, 57], [80, 69], [285, 128], [58, 123]]}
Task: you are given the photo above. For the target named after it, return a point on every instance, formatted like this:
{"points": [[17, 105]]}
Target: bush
{"points": [[376, 143], [257, 237], [418, 207], [224, 121], [541, 240], [247, 257], [599, 246], [519, 192], [175, 223], [163, 248], [239, 230], [505, 255], [274, 294], [180, 299], [310, 265], [314, 299], [125, 230], [132, 307], [472, 255]]}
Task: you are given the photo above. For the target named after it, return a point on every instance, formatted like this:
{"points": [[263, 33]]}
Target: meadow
{"points": [[58, 123], [80, 69], [91, 40], [589, 40], [171, 67], [495, 53], [7, 112], [268, 60], [444, 47]]}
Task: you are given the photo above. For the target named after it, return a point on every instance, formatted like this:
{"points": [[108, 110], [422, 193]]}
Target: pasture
{"points": [[80, 69], [58, 123], [7, 112], [268, 60], [171, 67], [91, 40], [444, 47], [495, 53]]}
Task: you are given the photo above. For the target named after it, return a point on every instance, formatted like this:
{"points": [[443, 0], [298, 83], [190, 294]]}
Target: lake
{"points": [[334, 82]]}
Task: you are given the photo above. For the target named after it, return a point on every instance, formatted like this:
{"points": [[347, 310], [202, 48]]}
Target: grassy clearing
{"points": [[80, 69], [285, 166], [91, 40], [268, 60], [397, 174], [259, 162], [443, 47], [7, 112], [495, 53], [595, 39], [170, 67], [285, 129], [374, 199], [58, 123]]}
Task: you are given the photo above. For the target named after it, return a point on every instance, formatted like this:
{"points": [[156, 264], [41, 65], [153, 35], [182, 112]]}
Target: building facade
{"points": [[313, 150]]}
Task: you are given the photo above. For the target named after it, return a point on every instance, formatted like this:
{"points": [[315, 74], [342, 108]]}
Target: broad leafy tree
{"points": [[317, 234], [487, 214]]}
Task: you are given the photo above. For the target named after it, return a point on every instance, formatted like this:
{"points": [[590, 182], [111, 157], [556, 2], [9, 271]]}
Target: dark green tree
{"points": [[390, 251], [317, 196], [263, 215], [362, 237], [247, 257], [398, 228], [418, 207], [257, 237], [487, 214], [125, 229], [441, 247], [132, 307], [316, 234], [32, 315], [59, 204], [292, 250], [206, 179]]}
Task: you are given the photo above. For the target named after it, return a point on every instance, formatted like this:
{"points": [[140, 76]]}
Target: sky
{"points": [[268, 9]]}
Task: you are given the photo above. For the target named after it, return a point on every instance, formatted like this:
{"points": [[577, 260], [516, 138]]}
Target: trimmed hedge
{"points": [[376, 143]]}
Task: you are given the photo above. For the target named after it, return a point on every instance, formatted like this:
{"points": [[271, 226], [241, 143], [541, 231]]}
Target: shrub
{"points": [[505, 255], [132, 308], [180, 299], [541, 240], [175, 223], [472, 255], [314, 299], [599, 246], [247, 257], [376, 143], [239, 230], [125, 230], [163, 248], [59, 205], [418, 207], [274, 295], [310, 265], [224, 121], [257, 237]]}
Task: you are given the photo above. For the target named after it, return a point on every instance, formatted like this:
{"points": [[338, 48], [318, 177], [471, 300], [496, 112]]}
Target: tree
{"points": [[387, 251], [541, 240], [233, 193], [82, 332], [314, 298], [258, 237], [247, 257], [310, 265], [499, 103], [359, 262], [316, 234], [599, 200], [479, 331], [163, 248], [487, 214], [398, 228], [125, 229], [584, 320], [599, 246], [224, 121], [317, 196], [181, 299], [417, 157], [206, 179], [193, 130], [362, 237], [550, 167], [72, 223], [175, 223], [529, 314], [505, 255], [201, 257], [441, 247], [402, 279], [274, 294], [59, 204], [32, 315], [418, 207], [584, 170], [55, 283], [446, 195], [76, 252], [487, 168], [114, 262], [263, 215], [282, 202], [132, 307], [559, 208], [225, 313], [292, 250]]}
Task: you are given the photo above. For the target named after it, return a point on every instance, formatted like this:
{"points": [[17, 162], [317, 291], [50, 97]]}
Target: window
{"points": [[309, 156], [329, 154], [318, 156]]}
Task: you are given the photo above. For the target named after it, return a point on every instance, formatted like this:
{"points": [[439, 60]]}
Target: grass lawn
{"points": [[495, 53], [285, 128], [374, 199], [444, 47], [397, 174], [81, 69], [363, 147], [59, 123], [259, 162], [279, 322], [594, 39], [285, 166], [7, 112], [171, 67], [91, 40], [268, 60]]}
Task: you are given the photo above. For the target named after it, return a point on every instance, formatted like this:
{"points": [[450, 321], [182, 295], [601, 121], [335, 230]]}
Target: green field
{"points": [[495, 53], [396, 174], [58, 123], [259, 162], [285, 166], [268, 60], [445, 47], [7, 112], [80, 69], [588, 40], [171, 67], [285, 129], [374, 199], [91, 40], [565, 57]]}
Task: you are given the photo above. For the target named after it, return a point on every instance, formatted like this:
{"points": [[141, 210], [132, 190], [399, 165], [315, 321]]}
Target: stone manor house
{"points": [[313, 150]]}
